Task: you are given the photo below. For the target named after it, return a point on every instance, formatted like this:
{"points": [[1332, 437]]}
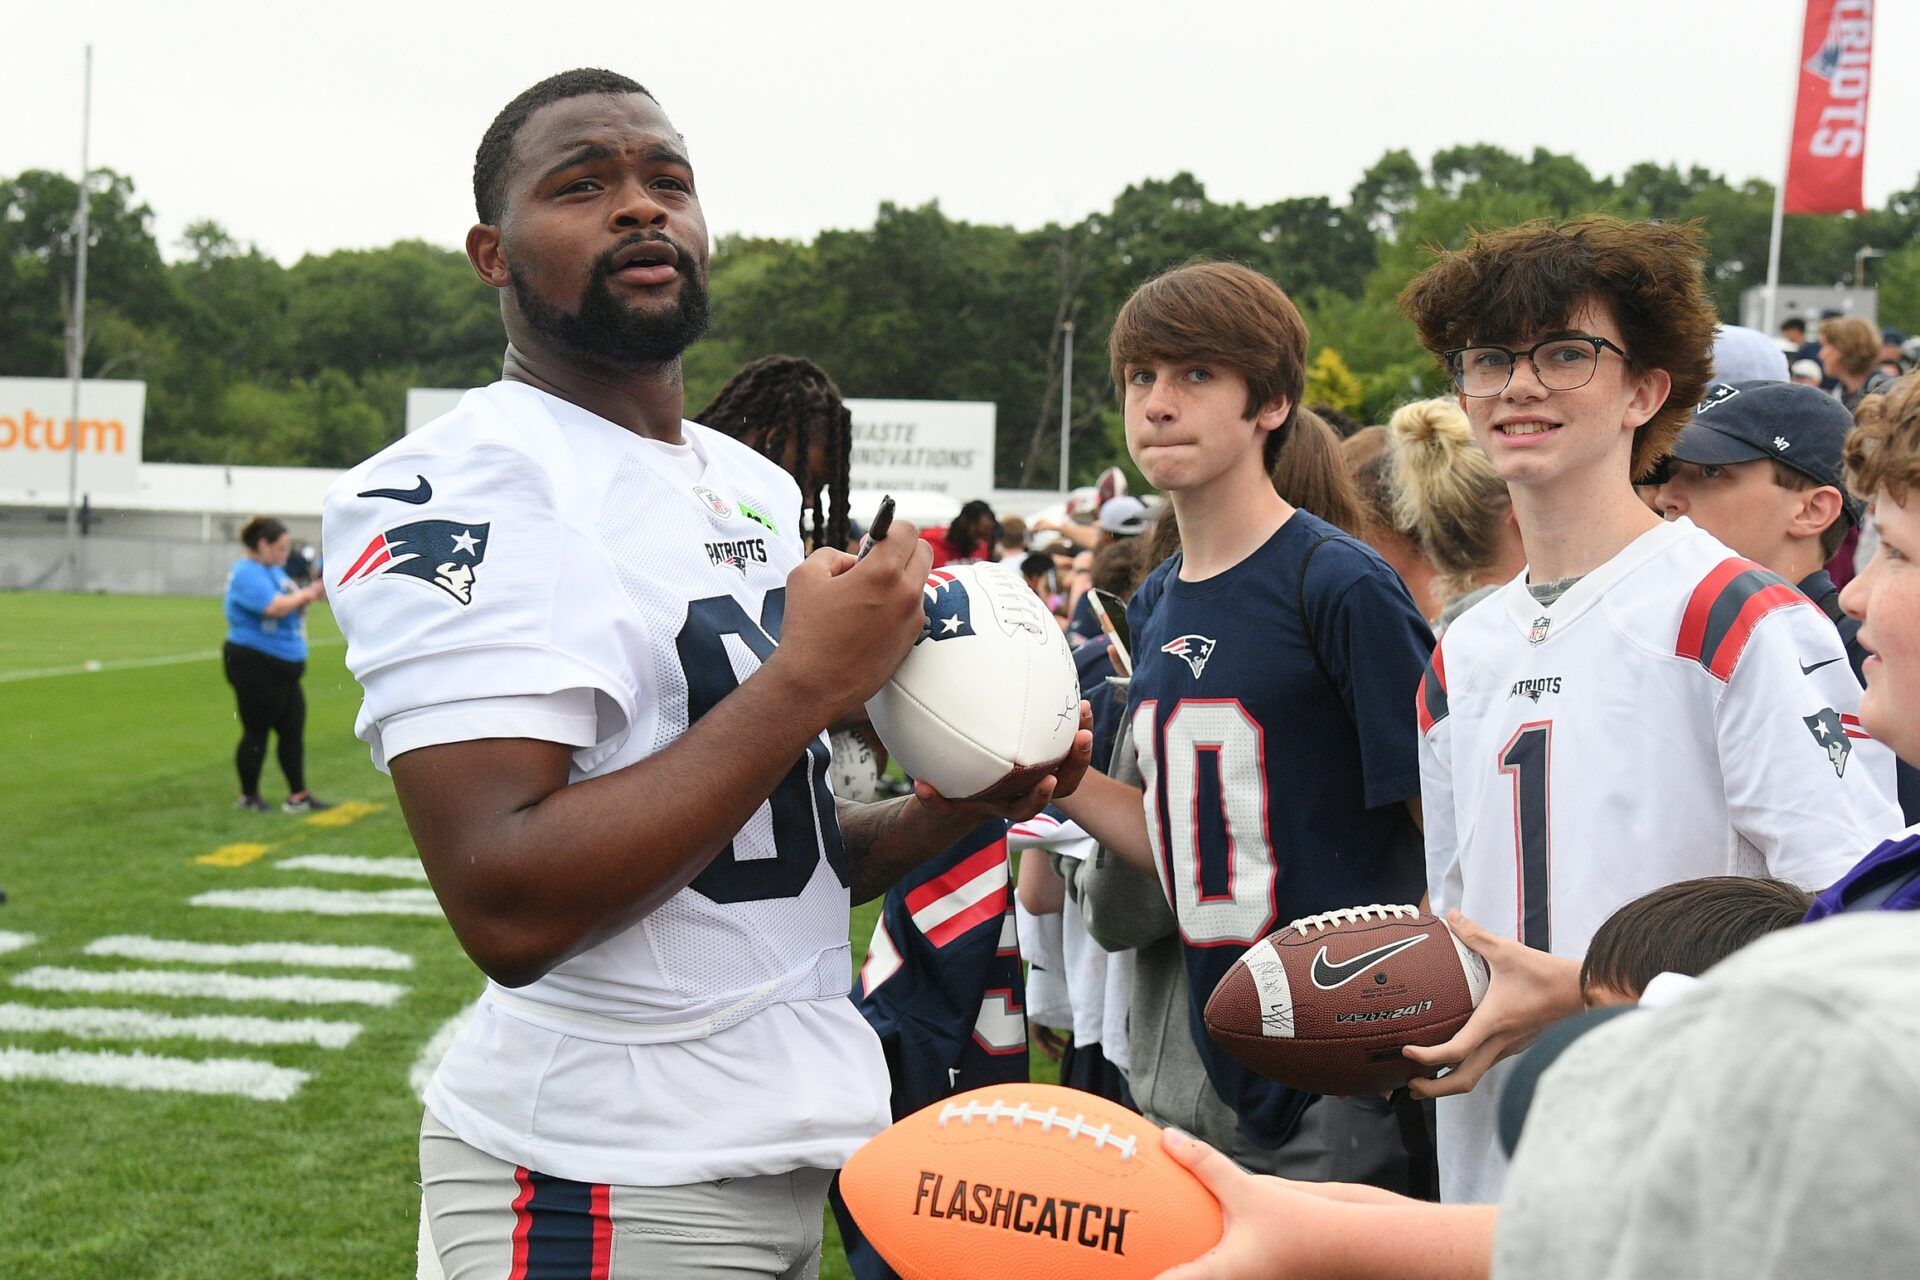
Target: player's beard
{"points": [[603, 332]]}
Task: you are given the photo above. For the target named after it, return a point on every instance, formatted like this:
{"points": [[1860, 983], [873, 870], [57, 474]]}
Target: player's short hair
{"points": [[1447, 494], [1217, 313], [1506, 286], [1799, 482], [1013, 532], [776, 400], [1883, 449], [1857, 342], [1687, 928], [490, 162], [260, 529]]}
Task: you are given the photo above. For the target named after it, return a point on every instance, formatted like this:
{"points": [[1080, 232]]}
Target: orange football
{"points": [[1027, 1180]]}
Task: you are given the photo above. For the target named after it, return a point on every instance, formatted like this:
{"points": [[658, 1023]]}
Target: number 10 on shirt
{"points": [[1214, 757]]}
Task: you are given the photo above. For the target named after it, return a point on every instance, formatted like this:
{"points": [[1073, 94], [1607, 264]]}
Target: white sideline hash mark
{"points": [[317, 955], [325, 902], [15, 941], [428, 1062], [245, 1077], [342, 865], [216, 985], [136, 1024]]}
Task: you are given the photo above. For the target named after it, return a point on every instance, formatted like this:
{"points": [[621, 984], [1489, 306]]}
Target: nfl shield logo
{"points": [[715, 503], [1539, 631]]}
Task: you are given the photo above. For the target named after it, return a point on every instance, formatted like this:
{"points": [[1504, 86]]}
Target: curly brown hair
{"points": [[1505, 286], [1883, 449]]}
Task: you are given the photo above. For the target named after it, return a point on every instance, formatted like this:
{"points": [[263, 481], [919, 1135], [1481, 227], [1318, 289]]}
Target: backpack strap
{"points": [[1300, 602]]}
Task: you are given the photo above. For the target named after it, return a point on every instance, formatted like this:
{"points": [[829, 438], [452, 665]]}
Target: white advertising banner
{"points": [[939, 446], [38, 432], [932, 446]]}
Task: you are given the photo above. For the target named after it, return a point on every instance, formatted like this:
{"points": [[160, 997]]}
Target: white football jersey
{"points": [[1679, 712], [522, 548]]}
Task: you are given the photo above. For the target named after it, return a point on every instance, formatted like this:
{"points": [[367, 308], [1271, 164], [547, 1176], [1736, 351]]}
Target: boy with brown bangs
{"points": [[1640, 706], [1275, 661]]}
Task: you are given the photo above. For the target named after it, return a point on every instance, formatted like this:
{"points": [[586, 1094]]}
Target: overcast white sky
{"points": [[305, 128]]}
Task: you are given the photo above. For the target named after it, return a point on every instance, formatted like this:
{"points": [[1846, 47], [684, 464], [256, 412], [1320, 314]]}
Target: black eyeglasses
{"points": [[1561, 364]]}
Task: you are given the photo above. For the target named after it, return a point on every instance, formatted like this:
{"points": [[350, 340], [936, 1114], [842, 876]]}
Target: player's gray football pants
{"points": [[487, 1219]]}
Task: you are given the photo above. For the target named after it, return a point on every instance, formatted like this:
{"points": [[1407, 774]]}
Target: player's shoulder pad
{"points": [[1430, 701], [1723, 610]]}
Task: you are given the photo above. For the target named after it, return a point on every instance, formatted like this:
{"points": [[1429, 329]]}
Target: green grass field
{"points": [[115, 787]]}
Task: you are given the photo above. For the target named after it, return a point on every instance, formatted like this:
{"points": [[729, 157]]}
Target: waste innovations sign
{"points": [[943, 446], [938, 446], [38, 432]]}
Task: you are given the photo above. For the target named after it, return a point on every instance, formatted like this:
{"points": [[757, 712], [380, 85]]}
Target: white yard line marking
{"points": [[242, 1076], [15, 941], [313, 955], [137, 1024], [341, 865], [133, 664], [182, 984], [429, 1060], [325, 902]]}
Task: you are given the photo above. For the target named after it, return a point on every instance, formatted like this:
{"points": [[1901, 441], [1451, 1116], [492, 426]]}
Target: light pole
{"points": [[1066, 399], [77, 336]]}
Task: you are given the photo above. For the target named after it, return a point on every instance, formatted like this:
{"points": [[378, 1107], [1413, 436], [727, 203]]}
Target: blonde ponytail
{"points": [[1446, 492]]}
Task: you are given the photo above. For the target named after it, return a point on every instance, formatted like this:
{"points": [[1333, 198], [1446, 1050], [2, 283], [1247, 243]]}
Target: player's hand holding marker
{"points": [[850, 621], [1527, 992]]}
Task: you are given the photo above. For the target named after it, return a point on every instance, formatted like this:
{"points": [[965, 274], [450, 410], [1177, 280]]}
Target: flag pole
{"points": [[77, 335], [1773, 256]]}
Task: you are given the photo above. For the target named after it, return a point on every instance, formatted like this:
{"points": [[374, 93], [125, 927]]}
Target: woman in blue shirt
{"points": [[265, 656]]}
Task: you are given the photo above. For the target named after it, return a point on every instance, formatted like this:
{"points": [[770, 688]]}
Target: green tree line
{"points": [[249, 361]]}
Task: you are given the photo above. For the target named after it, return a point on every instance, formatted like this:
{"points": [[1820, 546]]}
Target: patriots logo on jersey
{"points": [[1193, 650], [738, 554], [949, 611], [1834, 732], [441, 553]]}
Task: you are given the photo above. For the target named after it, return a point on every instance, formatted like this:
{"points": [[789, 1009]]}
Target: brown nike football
{"points": [[1327, 1003]]}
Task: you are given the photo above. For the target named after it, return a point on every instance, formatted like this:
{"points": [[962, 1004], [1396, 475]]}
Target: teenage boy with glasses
{"points": [[1640, 706]]}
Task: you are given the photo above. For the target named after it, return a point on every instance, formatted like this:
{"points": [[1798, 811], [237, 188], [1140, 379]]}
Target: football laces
{"points": [[1074, 1126], [1350, 915]]}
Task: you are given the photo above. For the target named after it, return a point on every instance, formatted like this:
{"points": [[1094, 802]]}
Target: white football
{"points": [[988, 699], [855, 771]]}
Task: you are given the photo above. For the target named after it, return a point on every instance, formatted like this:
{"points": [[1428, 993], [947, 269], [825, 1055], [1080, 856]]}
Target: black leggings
{"points": [[270, 700]]}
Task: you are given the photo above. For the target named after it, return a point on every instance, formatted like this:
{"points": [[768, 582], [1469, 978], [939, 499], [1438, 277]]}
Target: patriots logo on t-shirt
{"points": [[1195, 650], [440, 553], [949, 611]]}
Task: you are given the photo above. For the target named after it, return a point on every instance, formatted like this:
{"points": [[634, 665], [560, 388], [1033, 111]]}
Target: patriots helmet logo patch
{"points": [[441, 553], [1193, 650], [949, 611], [1834, 732]]}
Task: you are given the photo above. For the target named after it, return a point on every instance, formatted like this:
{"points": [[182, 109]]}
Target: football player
{"points": [[599, 671], [1271, 658], [1641, 705]]}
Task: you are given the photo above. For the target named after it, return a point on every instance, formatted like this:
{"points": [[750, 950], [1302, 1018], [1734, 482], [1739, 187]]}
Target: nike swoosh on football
{"points": [[1328, 976], [1806, 670], [416, 495]]}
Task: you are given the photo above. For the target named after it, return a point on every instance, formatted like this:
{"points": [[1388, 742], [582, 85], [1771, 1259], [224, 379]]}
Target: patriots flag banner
{"points": [[1826, 161], [441, 553]]}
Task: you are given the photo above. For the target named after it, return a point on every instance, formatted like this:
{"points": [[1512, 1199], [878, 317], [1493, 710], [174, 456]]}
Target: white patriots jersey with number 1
{"points": [[1678, 713], [521, 547]]}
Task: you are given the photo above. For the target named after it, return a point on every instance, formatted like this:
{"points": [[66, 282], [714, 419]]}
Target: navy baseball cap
{"points": [[1799, 425]]}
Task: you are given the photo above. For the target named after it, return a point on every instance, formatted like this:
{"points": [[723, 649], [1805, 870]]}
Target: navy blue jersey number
{"points": [[803, 827]]}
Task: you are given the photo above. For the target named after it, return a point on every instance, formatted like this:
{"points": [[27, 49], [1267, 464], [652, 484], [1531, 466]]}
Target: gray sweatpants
{"points": [[486, 1219]]}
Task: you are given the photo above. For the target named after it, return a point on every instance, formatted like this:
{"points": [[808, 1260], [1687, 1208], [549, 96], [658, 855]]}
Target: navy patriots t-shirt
{"points": [[1273, 709]]}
